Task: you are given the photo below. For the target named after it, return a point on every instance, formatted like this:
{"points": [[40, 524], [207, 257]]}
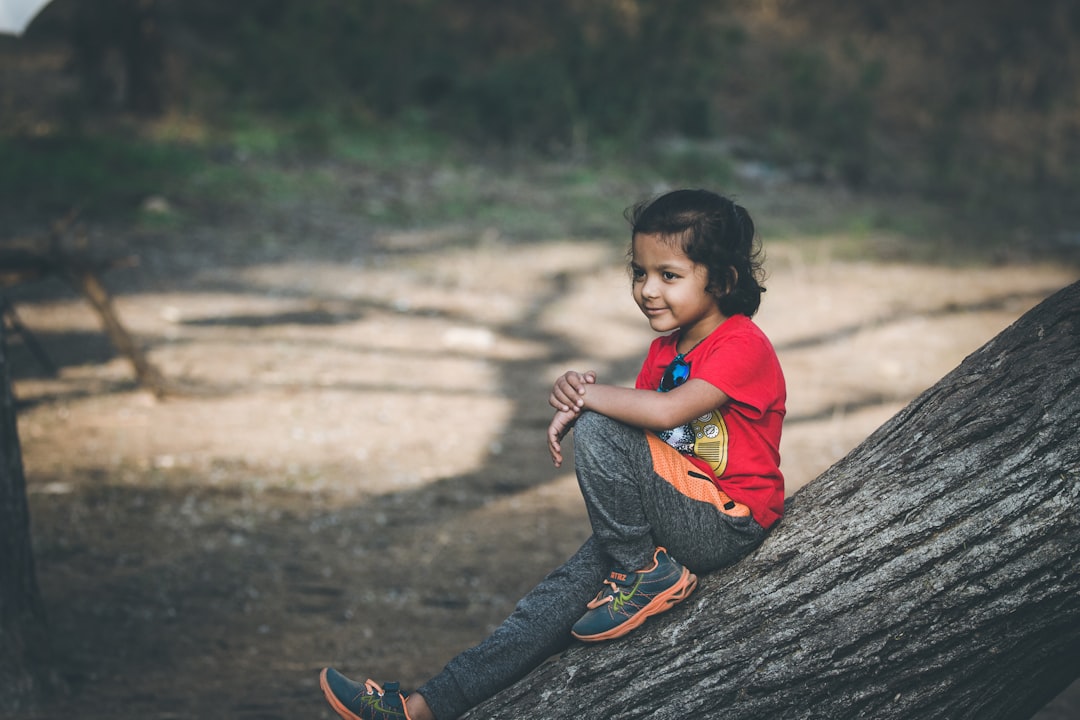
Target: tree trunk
{"points": [[931, 573], [22, 628], [119, 53]]}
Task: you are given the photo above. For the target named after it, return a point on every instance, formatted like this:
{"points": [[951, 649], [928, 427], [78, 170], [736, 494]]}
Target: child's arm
{"points": [[645, 408]]}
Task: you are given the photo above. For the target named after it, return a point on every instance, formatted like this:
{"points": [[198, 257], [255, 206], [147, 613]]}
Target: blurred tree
{"points": [[23, 636], [119, 54]]}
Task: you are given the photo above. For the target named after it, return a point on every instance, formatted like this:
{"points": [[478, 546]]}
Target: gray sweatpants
{"points": [[636, 502]]}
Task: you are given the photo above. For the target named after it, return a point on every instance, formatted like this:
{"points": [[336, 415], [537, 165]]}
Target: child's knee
{"points": [[602, 434], [592, 424]]}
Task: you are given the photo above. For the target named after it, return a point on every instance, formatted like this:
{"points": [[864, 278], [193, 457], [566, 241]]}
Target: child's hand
{"points": [[569, 390], [560, 425]]}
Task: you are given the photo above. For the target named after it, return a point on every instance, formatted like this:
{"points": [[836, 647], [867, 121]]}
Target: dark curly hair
{"points": [[714, 232]]}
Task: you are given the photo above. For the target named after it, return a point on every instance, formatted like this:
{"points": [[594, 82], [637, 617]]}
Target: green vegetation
{"points": [[388, 173], [416, 112], [100, 170]]}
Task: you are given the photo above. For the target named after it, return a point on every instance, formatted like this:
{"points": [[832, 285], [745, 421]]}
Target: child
{"points": [[685, 479]]}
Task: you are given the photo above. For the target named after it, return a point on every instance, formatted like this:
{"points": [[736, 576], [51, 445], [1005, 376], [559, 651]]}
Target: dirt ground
{"points": [[352, 470]]}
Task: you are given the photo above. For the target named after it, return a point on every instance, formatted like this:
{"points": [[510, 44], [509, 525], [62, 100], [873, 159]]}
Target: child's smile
{"points": [[670, 289]]}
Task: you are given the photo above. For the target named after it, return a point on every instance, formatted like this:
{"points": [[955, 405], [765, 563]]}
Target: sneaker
{"points": [[631, 597], [368, 701]]}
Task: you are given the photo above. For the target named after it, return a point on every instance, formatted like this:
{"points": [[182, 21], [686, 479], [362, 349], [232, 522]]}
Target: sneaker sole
{"points": [[334, 702], [672, 596]]}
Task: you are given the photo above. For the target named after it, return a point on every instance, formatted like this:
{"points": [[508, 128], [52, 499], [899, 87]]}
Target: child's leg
{"points": [[538, 628], [641, 493]]}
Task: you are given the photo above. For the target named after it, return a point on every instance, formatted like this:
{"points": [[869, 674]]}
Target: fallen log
{"points": [[931, 573]]}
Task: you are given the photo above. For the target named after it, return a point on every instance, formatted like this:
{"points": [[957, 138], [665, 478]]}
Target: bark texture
{"points": [[931, 573]]}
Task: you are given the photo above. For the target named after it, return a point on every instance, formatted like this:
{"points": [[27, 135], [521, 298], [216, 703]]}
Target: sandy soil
{"points": [[354, 471]]}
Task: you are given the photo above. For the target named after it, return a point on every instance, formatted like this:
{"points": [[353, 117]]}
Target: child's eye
{"points": [[637, 273], [668, 275]]}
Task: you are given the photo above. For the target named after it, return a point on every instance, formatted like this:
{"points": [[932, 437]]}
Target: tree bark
{"points": [[23, 639], [931, 573]]}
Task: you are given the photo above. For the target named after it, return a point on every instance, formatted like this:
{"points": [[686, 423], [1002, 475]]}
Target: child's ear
{"points": [[726, 285], [730, 281]]}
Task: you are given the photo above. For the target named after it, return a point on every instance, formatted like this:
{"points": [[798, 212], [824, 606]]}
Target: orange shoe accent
{"points": [[672, 596], [341, 709], [332, 699]]}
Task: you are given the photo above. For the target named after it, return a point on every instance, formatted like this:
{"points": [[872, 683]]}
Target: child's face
{"points": [[671, 289]]}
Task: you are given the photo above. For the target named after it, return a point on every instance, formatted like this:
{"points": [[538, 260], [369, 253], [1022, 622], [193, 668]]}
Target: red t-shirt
{"points": [[738, 445]]}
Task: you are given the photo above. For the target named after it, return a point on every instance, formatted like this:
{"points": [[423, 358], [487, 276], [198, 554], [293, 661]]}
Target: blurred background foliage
{"points": [[972, 104]]}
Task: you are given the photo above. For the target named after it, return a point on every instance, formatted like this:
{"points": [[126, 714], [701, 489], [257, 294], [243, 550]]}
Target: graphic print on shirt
{"points": [[711, 440], [705, 437]]}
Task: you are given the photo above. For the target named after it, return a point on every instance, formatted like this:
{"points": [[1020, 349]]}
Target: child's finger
{"points": [[574, 391], [560, 401], [570, 396], [555, 449], [583, 379]]}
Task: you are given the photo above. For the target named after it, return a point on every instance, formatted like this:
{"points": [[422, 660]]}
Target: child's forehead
{"points": [[656, 247]]}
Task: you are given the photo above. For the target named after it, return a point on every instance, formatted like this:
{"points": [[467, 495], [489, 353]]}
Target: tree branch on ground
{"points": [[82, 271]]}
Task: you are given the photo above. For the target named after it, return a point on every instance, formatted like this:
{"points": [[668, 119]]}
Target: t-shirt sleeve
{"points": [[745, 368]]}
